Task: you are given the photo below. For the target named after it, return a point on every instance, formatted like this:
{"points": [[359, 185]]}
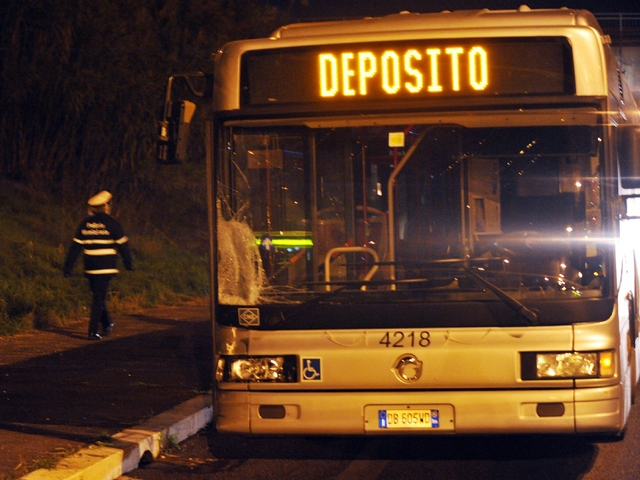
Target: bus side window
{"points": [[629, 155]]}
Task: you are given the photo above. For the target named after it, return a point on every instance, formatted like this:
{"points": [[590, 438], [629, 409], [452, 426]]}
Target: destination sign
{"points": [[354, 73], [420, 69]]}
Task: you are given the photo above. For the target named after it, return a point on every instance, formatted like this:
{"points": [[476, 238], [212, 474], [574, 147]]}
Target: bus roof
{"points": [[521, 18], [588, 42]]}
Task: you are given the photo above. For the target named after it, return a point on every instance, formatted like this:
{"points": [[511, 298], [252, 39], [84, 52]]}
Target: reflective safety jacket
{"points": [[100, 237]]}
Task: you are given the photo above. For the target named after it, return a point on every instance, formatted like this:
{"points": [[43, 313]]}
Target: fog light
{"points": [[550, 409], [272, 411]]}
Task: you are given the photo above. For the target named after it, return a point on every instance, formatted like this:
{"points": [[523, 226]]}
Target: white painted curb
{"points": [[131, 445]]}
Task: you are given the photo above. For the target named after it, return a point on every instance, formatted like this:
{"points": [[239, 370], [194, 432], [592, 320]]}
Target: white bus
{"points": [[424, 223]]}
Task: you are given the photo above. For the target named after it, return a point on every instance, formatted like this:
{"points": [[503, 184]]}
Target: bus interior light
{"points": [[574, 365]]}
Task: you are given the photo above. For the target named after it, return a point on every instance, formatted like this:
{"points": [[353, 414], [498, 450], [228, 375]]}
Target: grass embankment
{"points": [[35, 233]]}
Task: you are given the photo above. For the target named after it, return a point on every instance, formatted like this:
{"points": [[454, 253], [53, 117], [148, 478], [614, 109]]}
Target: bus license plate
{"points": [[409, 418]]}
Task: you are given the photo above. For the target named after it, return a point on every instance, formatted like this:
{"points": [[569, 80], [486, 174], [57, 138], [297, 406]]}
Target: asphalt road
{"points": [[60, 392]]}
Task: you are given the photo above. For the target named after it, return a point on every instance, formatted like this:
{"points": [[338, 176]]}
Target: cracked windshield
{"points": [[410, 213]]}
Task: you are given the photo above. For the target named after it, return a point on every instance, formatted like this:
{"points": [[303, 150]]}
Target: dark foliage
{"points": [[81, 83]]}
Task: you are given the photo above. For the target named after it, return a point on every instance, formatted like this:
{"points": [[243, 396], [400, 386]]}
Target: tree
{"points": [[82, 80]]}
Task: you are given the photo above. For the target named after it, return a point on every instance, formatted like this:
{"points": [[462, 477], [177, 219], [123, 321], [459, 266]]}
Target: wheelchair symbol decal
{"points": [[311, 370]]}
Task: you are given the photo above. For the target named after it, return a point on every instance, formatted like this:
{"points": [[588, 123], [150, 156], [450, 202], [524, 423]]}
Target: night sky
{"points": [[360, 8]]}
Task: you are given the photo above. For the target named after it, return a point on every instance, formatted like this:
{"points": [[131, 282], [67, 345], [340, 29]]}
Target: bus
{"points": [[422, 224]]}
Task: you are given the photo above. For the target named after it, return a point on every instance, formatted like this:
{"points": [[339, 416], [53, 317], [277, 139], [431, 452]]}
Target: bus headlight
{"points": [[567, 365], [256, 369]]}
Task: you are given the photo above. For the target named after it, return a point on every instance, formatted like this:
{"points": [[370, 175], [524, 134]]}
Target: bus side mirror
{"points": [[173, 137], [629, 155]]}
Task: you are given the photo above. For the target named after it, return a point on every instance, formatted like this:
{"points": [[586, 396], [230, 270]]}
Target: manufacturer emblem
{"points": [[249, 317], [407, 368]]}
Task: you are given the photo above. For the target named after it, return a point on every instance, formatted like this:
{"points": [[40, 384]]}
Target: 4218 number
{"points": [[402, 339]]}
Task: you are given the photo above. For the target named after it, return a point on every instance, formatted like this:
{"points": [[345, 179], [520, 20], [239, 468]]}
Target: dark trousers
{"points": [[99, 316]]}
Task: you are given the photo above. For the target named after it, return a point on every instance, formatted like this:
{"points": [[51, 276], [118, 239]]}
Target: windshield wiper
{"points": [[528, 315], [343, 287]]}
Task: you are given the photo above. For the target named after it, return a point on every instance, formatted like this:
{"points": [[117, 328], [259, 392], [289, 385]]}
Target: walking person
{"points": [[100, 237]]}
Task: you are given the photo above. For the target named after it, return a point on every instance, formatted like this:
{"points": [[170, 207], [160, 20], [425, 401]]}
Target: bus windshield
{"points": [[403, 213]]}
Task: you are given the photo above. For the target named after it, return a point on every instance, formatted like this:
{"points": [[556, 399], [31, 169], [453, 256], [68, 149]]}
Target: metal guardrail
{"points": [[622, 27]]}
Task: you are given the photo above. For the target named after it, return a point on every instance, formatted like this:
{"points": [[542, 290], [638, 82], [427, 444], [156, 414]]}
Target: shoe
{"points": [[94, 336], [107, 330]]}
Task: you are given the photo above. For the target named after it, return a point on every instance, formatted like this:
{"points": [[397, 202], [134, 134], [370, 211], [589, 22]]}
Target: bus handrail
{"points": [[333, 251], [391, 194]]}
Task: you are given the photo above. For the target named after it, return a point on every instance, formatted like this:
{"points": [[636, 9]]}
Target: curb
{"points": [[132, 445]]}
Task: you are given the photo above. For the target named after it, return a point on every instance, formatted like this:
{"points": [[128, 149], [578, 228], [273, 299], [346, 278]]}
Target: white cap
{"points": [[101, 198]]}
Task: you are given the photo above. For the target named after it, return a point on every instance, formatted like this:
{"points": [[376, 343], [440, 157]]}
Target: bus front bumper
{"points": [[589, 410]]}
